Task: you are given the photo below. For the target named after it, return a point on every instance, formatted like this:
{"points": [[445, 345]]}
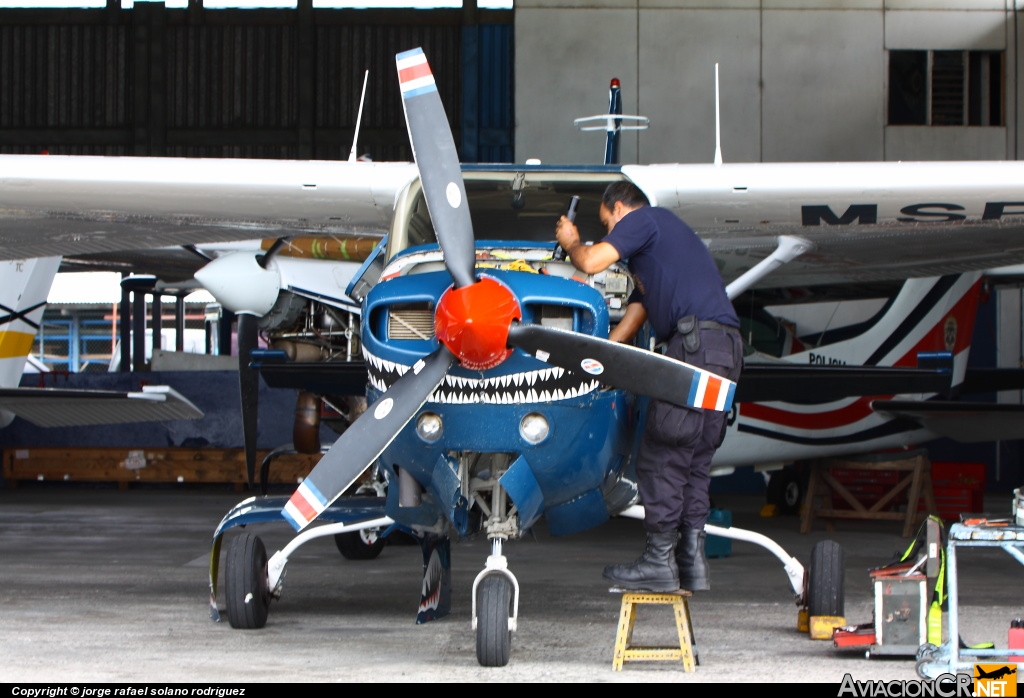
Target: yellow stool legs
{"points": [[625, 652]]}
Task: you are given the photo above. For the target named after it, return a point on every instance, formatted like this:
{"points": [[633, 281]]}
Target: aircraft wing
{"points": [[172, 265], [54, 407], [967, 422], [64, 205], [866, 222]]}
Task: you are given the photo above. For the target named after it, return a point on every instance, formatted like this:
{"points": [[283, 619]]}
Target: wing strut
{"points": [[790, 247]]}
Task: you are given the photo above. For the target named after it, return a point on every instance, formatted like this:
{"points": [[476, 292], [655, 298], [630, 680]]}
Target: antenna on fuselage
{"points": [[718, 123], [359, 117]]}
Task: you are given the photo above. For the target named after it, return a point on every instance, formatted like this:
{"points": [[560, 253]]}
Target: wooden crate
{"points": [[147, 465]]}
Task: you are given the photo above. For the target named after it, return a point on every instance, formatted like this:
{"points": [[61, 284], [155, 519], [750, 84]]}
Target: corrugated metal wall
{"points": [[243, 83], [67, 79]]}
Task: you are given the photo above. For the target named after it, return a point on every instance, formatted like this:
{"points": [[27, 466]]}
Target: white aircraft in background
{"points": [[24, 285]]}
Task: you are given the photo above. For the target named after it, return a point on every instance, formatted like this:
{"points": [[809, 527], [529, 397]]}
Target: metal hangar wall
{"points": [[269, 83]]}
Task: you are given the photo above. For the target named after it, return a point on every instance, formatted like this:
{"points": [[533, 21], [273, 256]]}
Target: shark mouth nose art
{"points": [[541, 385]]}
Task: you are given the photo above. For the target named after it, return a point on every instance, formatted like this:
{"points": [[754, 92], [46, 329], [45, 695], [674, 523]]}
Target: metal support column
{"points": [[125, 329], [179, 322], [158, 321]]}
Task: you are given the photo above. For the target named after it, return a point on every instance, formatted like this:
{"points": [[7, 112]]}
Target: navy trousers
{"points": [[674, 461]]}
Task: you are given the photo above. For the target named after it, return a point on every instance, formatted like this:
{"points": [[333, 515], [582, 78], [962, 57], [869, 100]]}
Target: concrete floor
{"points": [[105, 585]]}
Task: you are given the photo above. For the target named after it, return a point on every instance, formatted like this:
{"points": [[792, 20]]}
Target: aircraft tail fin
{"points": [[23, 291], [26, 284], [613, 123], [928, 317]]}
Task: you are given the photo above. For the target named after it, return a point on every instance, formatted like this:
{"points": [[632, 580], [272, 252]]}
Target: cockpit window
{"points": [[515, 206]]}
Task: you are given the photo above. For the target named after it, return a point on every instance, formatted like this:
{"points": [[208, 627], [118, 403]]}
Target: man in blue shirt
{"points": [[681, 293]]}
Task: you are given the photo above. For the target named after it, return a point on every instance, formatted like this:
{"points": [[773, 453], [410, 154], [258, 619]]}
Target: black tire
{"points": [[786, 490], [246, 582], [493, 608], [360, 545], [825, 581]]}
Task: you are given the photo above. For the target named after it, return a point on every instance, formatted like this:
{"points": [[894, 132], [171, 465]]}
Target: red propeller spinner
{"points": [[473, 322]]}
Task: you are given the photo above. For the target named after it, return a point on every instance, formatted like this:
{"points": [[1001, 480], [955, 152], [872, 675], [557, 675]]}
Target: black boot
{"points": [[694, 571], [655, 570]]}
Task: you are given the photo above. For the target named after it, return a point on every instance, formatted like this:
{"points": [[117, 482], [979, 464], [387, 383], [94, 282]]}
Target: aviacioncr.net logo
{"points": [[942, 686], [995, 680]]}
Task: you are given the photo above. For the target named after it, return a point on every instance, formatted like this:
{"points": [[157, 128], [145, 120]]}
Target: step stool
{"points": [[625, 652]]}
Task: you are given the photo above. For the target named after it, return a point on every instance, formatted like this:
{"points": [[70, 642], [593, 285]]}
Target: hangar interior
{"points": [[800, 81]]}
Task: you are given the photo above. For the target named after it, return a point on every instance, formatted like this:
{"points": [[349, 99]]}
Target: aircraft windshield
{"points": [[506, 208]]}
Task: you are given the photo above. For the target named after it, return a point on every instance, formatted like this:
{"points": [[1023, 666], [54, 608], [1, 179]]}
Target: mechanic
{"points": [[680, 291]]}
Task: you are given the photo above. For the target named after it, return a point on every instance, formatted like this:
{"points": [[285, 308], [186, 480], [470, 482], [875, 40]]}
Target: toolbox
{"points": [[901, 611], [902, 593]]}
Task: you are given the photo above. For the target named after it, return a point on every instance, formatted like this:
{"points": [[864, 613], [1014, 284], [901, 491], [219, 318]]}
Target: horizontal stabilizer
{"points": [[339, 378], [54, 407], [967, 422], [818, 384], [992, 380]]}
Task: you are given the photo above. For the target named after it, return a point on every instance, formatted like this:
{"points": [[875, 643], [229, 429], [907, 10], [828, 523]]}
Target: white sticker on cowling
{"points": [[383, 408], [453, 194], [542, 355], [592, 366], [418, 366]]}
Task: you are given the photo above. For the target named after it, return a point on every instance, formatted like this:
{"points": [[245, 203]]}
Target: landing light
{"points": [[429, 426], [534, 428]]}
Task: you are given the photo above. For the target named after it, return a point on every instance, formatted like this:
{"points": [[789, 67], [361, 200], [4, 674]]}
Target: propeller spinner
{"points": [[478, 321]]}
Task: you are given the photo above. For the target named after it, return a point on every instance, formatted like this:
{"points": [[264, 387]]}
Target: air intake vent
{"points": [[411, 321]]}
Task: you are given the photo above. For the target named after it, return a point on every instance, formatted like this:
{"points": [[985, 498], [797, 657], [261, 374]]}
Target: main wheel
{"points": [[360, 545], [786, 490], [825, 582], [493, 608], [247, 585]]}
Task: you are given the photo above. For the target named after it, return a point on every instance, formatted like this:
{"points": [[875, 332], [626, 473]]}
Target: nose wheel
{"points": [[247, 587], [494, 604], [495, 609]]}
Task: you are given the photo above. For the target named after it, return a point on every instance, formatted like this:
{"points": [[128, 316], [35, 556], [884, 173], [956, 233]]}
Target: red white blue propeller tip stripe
{"points": [[414, 76], [711, 392], [305, 505]]}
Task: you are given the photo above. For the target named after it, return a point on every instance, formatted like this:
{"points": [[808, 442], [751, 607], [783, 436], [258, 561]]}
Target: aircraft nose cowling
{"points": [[473, 322]]}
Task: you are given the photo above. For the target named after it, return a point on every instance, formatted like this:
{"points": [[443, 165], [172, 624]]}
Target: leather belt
{"points": [[712, 325], [689, 328]]}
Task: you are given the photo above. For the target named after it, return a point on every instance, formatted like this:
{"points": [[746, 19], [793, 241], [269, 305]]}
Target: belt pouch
{"points": [[690, 331]]}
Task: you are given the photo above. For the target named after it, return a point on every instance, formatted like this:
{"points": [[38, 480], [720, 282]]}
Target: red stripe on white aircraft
{"points": [[964, 312]]}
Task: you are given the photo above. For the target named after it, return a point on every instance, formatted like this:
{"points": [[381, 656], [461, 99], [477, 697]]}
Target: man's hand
{"points": [[590, 259], [567, 234]]}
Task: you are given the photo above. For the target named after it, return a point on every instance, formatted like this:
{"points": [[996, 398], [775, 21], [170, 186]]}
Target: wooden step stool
{"points": [[625, 652]]}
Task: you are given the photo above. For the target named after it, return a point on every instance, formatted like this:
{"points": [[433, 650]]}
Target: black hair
{"points": [[628, 193]]}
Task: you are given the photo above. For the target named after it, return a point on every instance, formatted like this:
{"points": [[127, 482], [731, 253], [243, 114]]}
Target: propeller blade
{"points": [[248, 388], [360, 445], [627, 367], [433, 148]]}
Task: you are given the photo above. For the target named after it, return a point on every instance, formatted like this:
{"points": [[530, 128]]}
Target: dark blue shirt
{"points": [[675, 273]]}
